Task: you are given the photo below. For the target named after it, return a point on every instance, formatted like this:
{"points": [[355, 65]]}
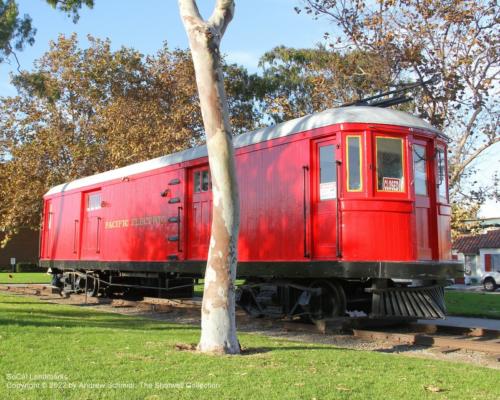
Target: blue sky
{"points": [[258, 26]]}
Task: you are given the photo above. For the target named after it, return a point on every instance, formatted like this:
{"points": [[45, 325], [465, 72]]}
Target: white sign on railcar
{"points": [[392, 184], [328, 190]]}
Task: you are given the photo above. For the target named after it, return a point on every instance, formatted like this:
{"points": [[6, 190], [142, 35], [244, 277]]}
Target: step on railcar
{"points": [[343, 210]]}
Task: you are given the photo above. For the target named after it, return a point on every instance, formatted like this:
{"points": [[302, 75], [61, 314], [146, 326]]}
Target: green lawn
{"points": [[78, 353], [482, 304], [198, 289], [24, 277]]}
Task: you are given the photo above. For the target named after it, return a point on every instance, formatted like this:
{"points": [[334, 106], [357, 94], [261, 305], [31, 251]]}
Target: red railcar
{"points": [[343, 209]]}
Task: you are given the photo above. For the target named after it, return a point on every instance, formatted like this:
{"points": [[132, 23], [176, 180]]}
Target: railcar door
{"points": [[92, 225], [421, 167], [199, 212], [324, 199]]}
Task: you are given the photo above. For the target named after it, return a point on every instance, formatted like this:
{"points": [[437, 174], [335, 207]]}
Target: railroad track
{"points": [[441, 338]]}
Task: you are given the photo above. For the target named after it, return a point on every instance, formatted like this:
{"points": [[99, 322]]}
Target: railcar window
{"points": [[420, 170], [93, 202], [354, 163], [390, 176], [205, 178], [197, 181], [327, 173], [202, 182], [441, 178]]}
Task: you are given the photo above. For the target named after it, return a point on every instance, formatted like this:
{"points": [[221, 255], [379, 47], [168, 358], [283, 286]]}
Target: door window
{"points": [[390, 175], [202, 181], [327, 173], [420, 170], [94, 201]]}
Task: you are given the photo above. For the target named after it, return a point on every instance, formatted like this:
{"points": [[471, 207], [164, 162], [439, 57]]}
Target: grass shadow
{"points": [[249, 351], [82, 318]]}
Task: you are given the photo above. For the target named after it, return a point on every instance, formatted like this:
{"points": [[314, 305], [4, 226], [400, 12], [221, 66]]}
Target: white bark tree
{"points": [[218, 322]]}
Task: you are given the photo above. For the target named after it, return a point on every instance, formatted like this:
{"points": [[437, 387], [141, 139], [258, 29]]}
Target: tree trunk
{"points": [[218, 322]]}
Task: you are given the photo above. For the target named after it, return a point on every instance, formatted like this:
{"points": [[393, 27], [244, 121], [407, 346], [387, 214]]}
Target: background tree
{"points": [[296, 82], [81, 112], [456, 40], [16, 31], [464, 219], [218, 320]]}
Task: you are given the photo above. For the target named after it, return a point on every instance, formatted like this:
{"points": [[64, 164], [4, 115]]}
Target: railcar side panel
{"points": [[62, 225], [331, 204], [271, 187], [366, 210], [377, 234], [138, 217]]}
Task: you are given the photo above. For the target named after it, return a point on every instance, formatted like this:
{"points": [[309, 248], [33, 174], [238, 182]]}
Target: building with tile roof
{"points": [[480, 253]]}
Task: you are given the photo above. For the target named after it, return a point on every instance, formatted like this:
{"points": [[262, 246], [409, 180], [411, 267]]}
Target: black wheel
{"points": [[92, 286], [331, 303], [490, 285], [79, 285], [246, 300], [68, 282]]}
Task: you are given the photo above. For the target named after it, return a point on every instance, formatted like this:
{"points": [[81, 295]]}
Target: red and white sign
{"points": [[392, 184]]}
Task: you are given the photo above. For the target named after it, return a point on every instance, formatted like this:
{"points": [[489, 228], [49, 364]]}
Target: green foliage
{"points": [[303, 81], [90, 347], [15, 31], [464, 218], [71, 7]]}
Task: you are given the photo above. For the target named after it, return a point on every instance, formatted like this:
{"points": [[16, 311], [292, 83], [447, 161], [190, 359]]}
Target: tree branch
{"points": [[458, 172], [468, 132], [189, 12], [13, 53], [222, 15]]}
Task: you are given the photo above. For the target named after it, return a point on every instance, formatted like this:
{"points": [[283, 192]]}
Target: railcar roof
{"points": [[353, 114]]}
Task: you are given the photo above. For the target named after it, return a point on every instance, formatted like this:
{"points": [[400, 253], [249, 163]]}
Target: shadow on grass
{"points": [[69, 319], [249, 351]]}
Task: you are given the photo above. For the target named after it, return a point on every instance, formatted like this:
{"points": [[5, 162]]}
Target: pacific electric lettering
{"points": [[135, 222]]}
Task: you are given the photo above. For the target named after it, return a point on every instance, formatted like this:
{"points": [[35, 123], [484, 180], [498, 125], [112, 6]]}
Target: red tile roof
{"points": [[471, 244]]}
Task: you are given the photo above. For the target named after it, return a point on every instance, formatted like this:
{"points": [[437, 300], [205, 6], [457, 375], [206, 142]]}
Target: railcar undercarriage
{"points": [[94, 283], [308, 299], [330, 298]]}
